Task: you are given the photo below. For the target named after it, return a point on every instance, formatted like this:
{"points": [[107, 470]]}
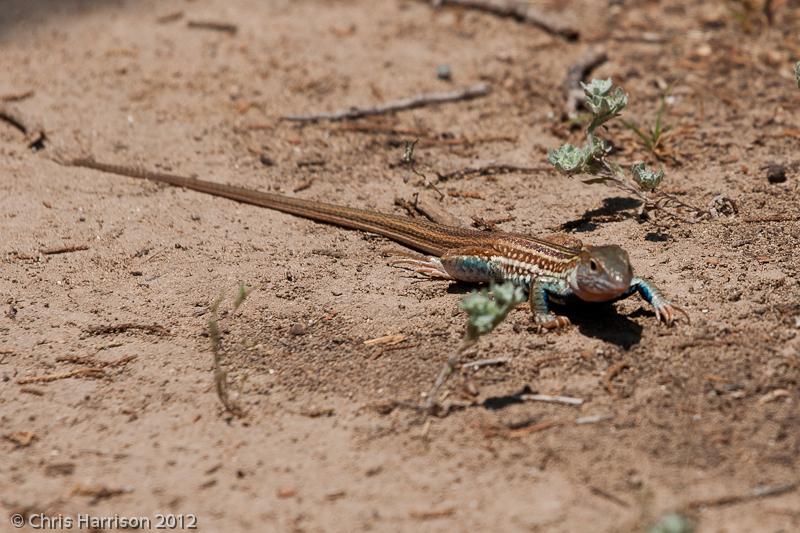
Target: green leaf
{"points": [[568, 159], [604, 101], [487, 309], [672, 523], [645, 178]]}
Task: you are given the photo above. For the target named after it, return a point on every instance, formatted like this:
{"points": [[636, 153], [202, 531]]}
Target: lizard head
{"points": [[602, 274]]}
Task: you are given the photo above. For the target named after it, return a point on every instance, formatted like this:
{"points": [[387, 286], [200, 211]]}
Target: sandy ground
{"points": [[688, 414]]}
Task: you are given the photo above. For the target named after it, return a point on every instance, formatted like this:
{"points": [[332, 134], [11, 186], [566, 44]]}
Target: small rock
{"points": [[266, 160], [298, 329], [443, 72], [776, 173]]}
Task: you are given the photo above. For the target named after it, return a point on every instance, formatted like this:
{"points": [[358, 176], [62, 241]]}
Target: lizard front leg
{"points": [[540, 306], [665, 310]]}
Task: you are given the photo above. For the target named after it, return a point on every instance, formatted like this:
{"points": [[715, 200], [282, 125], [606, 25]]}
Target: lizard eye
{"points": [[593, 265]]}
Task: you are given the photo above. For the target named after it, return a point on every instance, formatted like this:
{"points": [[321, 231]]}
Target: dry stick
{"points": [[520, 11], [211, 25], [773, 218], [78, 360], [34, 133], [754, 494], [430, 211], [447, 370], [567, 400], [491, 168], [220, 375], [467, 93], [486, 362], [78, 372], [16, 97], [155, 329], [64, 249], [573, 94]]}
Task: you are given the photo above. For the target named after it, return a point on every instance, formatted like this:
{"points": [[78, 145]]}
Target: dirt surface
{"points": [[683, 415]]}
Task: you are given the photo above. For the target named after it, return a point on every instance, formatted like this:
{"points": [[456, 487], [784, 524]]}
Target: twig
{"points": [[121, 328], [64, 249], [754, 494], [220, 375], [78, 372], [573, 94], [444, 373], [212, 25], [474, 365], [490, 225], [170, 17], [94, 362], [303, 186], [429, 210], [34, 133], [434, 513], [593, 419], [568, 400], [437, 214], [467, 93], [772, 218], [597, 491], [491, 168], [16, 97], [535, 428], [408, 161], [520, 11], [386, 340], [611, 373]]}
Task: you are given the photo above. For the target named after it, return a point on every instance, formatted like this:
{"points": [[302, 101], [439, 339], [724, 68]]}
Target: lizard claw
{"points": [[668, 313]]}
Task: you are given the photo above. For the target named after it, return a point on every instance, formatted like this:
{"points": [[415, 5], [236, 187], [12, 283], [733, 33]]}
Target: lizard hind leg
{"points": [[430, 267]]}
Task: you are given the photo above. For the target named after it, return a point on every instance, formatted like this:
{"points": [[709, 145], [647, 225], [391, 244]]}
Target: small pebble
{"points": [[776, 173], [443, 72], [297, 329]]}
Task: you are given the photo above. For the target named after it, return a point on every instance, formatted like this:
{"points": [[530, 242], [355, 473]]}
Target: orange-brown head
{"points": [[603, 273]]}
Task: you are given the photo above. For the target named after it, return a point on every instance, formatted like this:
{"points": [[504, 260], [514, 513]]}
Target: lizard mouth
{"points": [[600, 295], [602, 288]]}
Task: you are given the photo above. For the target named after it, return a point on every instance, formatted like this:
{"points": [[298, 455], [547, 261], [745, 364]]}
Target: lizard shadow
{"points": [[613, 209], [603, 321], [596, 320]]}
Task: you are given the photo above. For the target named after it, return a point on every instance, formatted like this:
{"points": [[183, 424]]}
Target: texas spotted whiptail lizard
{"points": [[548, 270]]}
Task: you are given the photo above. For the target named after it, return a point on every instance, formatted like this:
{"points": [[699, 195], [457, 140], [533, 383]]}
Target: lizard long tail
{"points": [[422, 235]]}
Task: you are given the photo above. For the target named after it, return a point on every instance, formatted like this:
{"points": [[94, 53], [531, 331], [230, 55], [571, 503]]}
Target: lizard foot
{"points": [[668, 313], [552, 321], [430, 267]]}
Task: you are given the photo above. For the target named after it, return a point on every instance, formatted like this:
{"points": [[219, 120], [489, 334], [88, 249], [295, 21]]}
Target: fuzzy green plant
{"points": [[486, 309], [591, 160]]}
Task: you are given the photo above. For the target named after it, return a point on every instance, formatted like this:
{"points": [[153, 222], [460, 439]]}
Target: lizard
{"points": [[550, 270]]}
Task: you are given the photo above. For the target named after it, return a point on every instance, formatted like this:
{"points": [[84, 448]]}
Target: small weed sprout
{"points": [[605, 103], [654, 138], [486, 310], [220, 375], [797, 73]]}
